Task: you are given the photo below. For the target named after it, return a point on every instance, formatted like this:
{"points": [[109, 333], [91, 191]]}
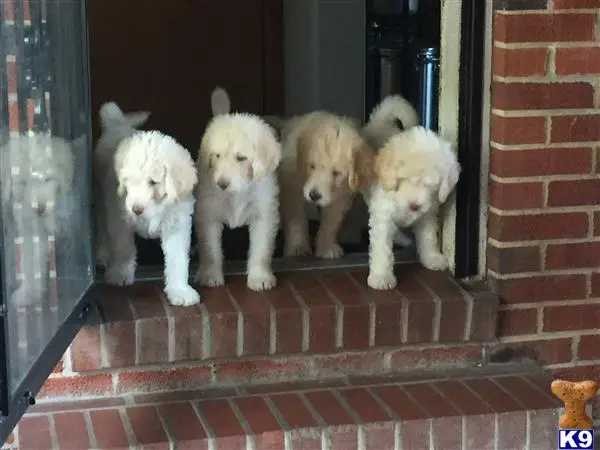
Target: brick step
{"points": [[500, 407], [310, 312], [315, 325]]}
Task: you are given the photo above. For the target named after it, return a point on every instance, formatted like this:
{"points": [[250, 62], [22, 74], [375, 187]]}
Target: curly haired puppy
{"points": [[239, 154], [415, 172], [143, 184], [325, 162], [37, 202]]}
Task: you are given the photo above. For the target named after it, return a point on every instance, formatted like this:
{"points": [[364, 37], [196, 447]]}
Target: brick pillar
{"points": [[544, 215]]}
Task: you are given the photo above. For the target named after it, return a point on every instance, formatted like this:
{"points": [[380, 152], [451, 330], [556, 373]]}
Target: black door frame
{"points": [[468, 198]]}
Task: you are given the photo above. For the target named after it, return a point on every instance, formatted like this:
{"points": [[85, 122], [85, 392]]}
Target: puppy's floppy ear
{"points": [[385, 169], [449, 171], [181, 176], [361, 174], [267, 155]]}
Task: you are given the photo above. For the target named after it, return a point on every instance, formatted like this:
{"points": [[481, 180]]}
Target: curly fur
{"points": [[325, 162], [415, 173], [388, 118], [238, 156], [37, 203], [143, 184]]}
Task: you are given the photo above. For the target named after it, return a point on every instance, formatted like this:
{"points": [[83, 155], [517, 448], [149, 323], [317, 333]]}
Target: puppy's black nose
{"points": [[137, 209], [223, 184], [314, 195], [414, 206]]}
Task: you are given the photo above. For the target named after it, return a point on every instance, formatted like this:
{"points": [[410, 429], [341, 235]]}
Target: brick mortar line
{"points": [[340, 310], [210, 433], [545, 336], [305, 344], [372, 310], [545, 12], [52, 431], [497, 146], [194, 364], [550, 78], [436, 320], [558, 112], [272, 325], [240, 323], [551, 303], [527, 243], [539, 318], [131, 437], [574, 364], [90, 429], [170, 327], [549, 179], [206, 332], [543, 45], [166, 429], [250, 441], [548, 273], [507, 392], [551, 61], [575, 348], [368, 387]]}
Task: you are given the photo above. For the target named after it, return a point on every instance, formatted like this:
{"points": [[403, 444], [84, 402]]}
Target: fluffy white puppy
{"points": [[143, 184], [326, 161], [415, 172], [239, 154], [37, 202]]}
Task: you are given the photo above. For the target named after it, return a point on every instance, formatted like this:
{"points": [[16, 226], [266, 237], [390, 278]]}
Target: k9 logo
{"points": [[575, 439]]}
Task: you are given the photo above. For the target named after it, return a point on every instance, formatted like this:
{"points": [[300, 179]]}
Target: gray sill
{"points": [[353, 260]]}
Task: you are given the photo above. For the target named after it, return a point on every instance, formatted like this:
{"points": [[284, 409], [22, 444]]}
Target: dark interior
{"points": [[167, 58]]}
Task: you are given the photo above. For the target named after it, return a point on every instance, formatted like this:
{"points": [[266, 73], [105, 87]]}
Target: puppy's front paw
{"points": [[382, 281], [119, 276], [329, 252], [210, 276], [298, 249], [182, 295], [261, 280], [434, 261]]}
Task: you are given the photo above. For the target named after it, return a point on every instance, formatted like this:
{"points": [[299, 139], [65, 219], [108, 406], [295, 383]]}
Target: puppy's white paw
{"points": [[261, 279], [402, 240], [210, 276], [298, 249], [434, 261], [329, 252], [382, 281], [119, 276], [182, 295]]}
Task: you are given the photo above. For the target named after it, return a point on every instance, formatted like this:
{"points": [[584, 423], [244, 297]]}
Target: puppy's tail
{"points": [[112, 116], [219, 101], [394, 110], [393, 115]]}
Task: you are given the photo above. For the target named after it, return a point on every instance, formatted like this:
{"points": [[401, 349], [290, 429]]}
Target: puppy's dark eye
{"points": [[312, 166], [152, 182], [240, 158], [217, 155], [335, 173]]}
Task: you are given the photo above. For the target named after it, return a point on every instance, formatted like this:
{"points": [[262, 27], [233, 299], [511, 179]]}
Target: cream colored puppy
{"points": [[325, 162], [415, 172], [238, 157]]}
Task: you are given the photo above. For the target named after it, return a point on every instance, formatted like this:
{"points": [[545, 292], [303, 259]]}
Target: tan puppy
{"points": [[325, 162]]}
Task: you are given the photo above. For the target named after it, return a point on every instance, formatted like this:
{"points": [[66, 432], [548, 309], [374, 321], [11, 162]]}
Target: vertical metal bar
{"points": [[4, 340]]}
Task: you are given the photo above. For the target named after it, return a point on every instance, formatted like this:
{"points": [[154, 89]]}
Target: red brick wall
{"points": [[544, 217]]}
